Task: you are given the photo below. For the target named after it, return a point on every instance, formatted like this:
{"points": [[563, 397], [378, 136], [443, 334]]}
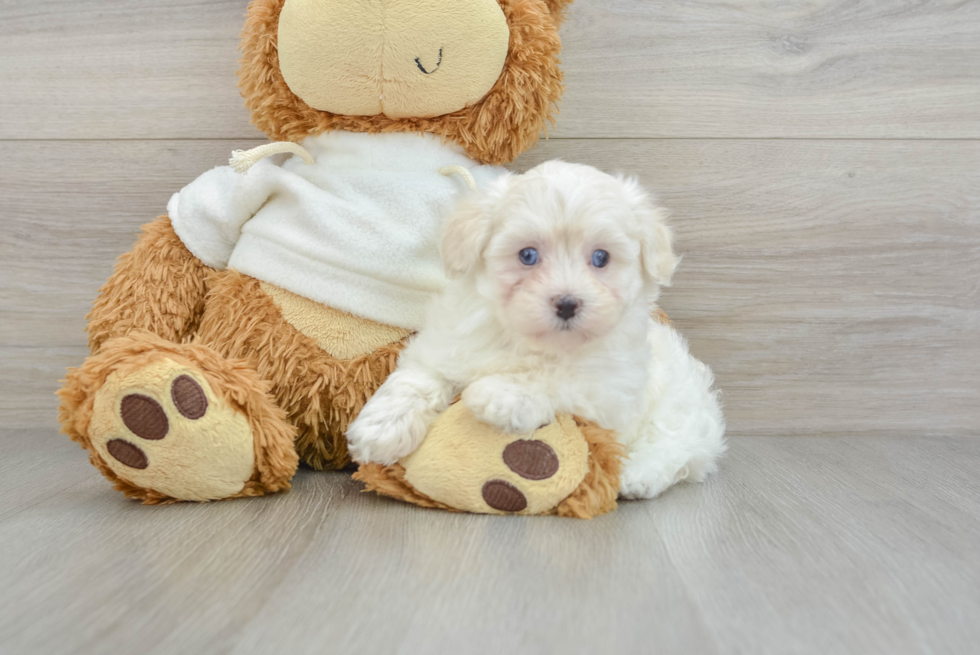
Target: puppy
{"points": [[554, 277]]}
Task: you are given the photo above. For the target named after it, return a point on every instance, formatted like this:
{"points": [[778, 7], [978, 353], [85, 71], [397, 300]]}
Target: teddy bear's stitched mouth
{"points": [[422, 68]]}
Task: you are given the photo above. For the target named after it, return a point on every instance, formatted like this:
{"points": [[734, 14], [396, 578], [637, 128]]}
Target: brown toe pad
{"points": [[504, 497], [128, 454], [144, 417], [189, 398], [532, 460]]}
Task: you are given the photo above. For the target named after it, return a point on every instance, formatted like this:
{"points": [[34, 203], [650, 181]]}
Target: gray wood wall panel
{"points": [[832, 285], [635, 68]]}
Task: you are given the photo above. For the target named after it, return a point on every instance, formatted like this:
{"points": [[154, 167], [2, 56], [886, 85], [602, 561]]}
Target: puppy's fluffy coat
{"points": [[554, 278]]}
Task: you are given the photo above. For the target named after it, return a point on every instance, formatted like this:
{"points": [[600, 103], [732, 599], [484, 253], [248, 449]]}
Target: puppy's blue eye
{"points": [[600, 258], [529, 256]]}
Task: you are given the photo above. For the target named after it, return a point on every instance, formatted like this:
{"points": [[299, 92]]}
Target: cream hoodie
{"points": [[358, 230]]}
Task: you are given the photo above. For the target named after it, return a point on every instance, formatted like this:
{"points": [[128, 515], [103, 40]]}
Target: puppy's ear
{"points": [[656, 239], [468, 230], [464, 238]]}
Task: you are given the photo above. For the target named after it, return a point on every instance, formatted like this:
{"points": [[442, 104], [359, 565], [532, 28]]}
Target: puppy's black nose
{"points": [[565, 308]]}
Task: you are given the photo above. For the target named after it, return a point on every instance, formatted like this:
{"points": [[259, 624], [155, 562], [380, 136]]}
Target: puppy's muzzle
{"points": [[566, 307]]}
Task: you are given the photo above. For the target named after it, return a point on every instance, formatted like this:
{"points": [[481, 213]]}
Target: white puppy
{"points": [[554, 278]]}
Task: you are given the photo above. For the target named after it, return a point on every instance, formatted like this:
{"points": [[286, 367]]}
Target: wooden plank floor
{"points": [[804, 545], [821, 159]]}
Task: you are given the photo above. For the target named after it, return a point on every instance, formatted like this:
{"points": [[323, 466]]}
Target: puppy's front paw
{"points": [[394, 422], [385, 431], [508, 406], [633, 485], [643, 477]]}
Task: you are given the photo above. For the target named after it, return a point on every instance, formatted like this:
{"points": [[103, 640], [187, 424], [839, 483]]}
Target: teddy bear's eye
{"points": [[600, 258], [529, 256]]}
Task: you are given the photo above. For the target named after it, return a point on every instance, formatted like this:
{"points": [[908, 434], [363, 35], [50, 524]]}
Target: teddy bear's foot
{"points": [[169, 422], [568, 467]]}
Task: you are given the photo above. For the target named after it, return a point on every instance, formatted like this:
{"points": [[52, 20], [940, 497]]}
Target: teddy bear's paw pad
{"points": [[532, 460], [162, 427], [474, 467], [189, 398], [504, 497], [128, 454], [147, 419], [144, 417]]}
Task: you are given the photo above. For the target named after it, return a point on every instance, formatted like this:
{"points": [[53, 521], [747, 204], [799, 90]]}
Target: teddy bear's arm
{"points": [[158, 286], [209, 213]]}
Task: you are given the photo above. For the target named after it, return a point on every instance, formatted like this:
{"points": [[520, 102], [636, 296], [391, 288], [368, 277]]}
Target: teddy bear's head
{"points": [[481, 73]]}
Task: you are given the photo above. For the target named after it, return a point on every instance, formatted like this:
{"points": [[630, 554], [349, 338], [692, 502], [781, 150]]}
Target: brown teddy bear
{"points": [[247, 328]]}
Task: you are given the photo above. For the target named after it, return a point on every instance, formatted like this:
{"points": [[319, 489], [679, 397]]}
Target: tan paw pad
{"points": [[474, 467], [163, 428]]}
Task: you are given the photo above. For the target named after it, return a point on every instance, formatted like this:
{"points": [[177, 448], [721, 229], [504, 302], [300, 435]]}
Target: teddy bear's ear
{"points": [[557, 9]]}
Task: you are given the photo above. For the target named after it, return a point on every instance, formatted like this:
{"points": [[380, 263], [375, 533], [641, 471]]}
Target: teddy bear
{"points": [[249, 325]]}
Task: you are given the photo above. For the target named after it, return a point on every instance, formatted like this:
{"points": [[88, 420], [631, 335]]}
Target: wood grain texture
{"points": [[802, 545], [63, 234], [832, 285], [93, 69], [29, 378], [798, 69]]}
